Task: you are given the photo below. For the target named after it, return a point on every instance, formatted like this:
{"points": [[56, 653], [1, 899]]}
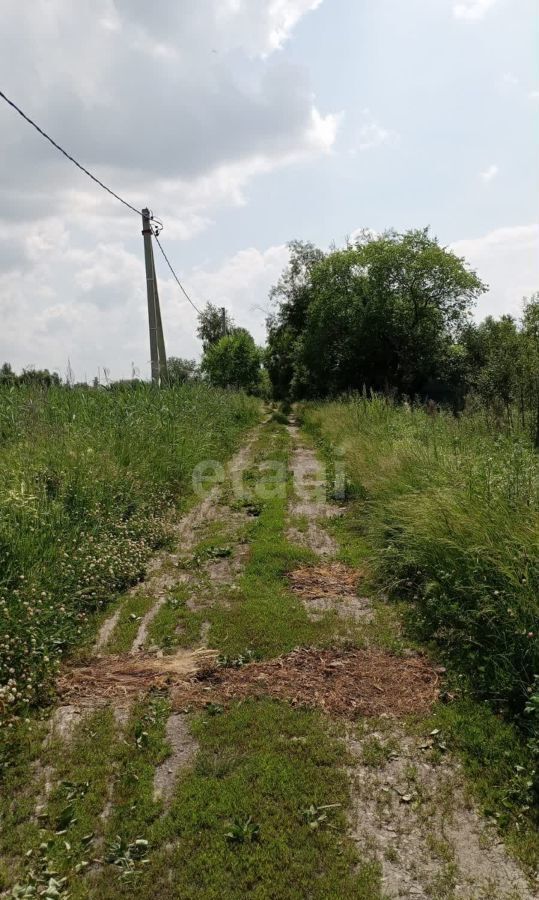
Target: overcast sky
{"points": [[244, 124]]}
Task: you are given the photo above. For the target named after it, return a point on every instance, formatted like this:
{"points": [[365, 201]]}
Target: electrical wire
{"points": [[158, 226], [67, 155], [180, 285]]}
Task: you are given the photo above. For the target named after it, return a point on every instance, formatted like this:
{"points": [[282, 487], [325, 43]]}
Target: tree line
{"points": [[388, 313], [391, 313]]}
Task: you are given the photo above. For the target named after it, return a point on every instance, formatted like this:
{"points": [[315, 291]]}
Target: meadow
{"points": [[88, 478], [449, 507]]}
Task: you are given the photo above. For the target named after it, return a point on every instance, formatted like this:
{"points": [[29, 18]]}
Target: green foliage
{"points": [[179, 370], [239, 822], [500, 768], [292, 293], [37, 377], [212, 325], [384, 313], [234, 361], [452, 514], [86, 476]]}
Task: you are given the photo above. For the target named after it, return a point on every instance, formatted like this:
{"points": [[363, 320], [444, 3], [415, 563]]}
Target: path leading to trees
{"points": [[250, 722]]}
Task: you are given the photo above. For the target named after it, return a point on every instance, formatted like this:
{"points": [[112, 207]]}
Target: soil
{"points": [[183, 751], [310, 499], [412, 816]]}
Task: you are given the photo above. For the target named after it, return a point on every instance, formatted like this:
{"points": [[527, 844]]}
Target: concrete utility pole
{"points": [[157, 340]]}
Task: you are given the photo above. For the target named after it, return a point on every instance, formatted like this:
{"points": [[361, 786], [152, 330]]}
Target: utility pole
{"points": [[223, 322], [157, 341]]}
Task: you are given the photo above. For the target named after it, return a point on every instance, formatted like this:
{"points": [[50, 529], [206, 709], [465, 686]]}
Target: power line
{"points": [[67, 155], [158, 242]]}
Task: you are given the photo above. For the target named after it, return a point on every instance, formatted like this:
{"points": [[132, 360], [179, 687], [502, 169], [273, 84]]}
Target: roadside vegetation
{"points": [[88, 478], [447, 512]]}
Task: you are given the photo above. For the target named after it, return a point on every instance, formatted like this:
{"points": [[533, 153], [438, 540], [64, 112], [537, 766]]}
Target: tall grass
{"points": [[451, 510], [86, 477]]}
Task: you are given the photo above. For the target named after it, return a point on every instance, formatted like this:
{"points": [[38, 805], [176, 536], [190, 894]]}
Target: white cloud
{"points": [[533, 95], [509, 79], [371, 134], [472, 10], [179, 108], [489, 173], [507, 259], [242, 284], [213, 103]]}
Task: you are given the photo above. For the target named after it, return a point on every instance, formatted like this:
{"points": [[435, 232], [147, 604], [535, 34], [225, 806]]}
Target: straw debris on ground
{"points": [[341, 682]]}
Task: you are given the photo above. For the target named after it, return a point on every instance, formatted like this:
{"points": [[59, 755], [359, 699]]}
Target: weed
{"points": [[243, 831]]}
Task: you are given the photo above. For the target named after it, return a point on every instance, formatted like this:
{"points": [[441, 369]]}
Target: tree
{"points": [[211, 327], [233, 361], [383, 313], [530, 334], [292, 294], [40, 377], [7, 375], [500, 374], [181, 370]]}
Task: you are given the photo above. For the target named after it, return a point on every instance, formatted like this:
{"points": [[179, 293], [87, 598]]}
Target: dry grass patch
{"points": [[331, 586], [341, 682]]}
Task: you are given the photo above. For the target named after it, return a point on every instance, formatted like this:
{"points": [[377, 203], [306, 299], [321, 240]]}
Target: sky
{"points": [[244, 124]]}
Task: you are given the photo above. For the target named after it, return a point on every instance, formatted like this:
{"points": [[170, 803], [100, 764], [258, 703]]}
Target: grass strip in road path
{"points": [[264, 615], [127, 626], [262, 814], [263, 810]]}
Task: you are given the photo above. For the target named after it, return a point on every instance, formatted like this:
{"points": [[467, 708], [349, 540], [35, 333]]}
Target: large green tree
{"points": [[292, 296], [385, 312]]}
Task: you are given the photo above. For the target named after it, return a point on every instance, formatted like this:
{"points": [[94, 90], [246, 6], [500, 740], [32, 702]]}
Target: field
{"points": [[87, 481], [267, 690]]}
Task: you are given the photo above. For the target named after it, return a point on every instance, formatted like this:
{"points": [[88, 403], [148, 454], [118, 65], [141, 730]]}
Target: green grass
{"points": [[22, 783], [87, 479], [261, 760], [126, 629], [263, 771], [499, 769], [449, 513], [55, 835], [263, 615], [445, 515], [175, 625]]}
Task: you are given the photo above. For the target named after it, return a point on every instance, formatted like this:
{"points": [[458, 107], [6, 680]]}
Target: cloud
{"points": [[472, 10], [243, 283], [89, 304], [167, 106], [371, 134], [533, 95], [507, 259], [489, 173], [179, 107]]}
